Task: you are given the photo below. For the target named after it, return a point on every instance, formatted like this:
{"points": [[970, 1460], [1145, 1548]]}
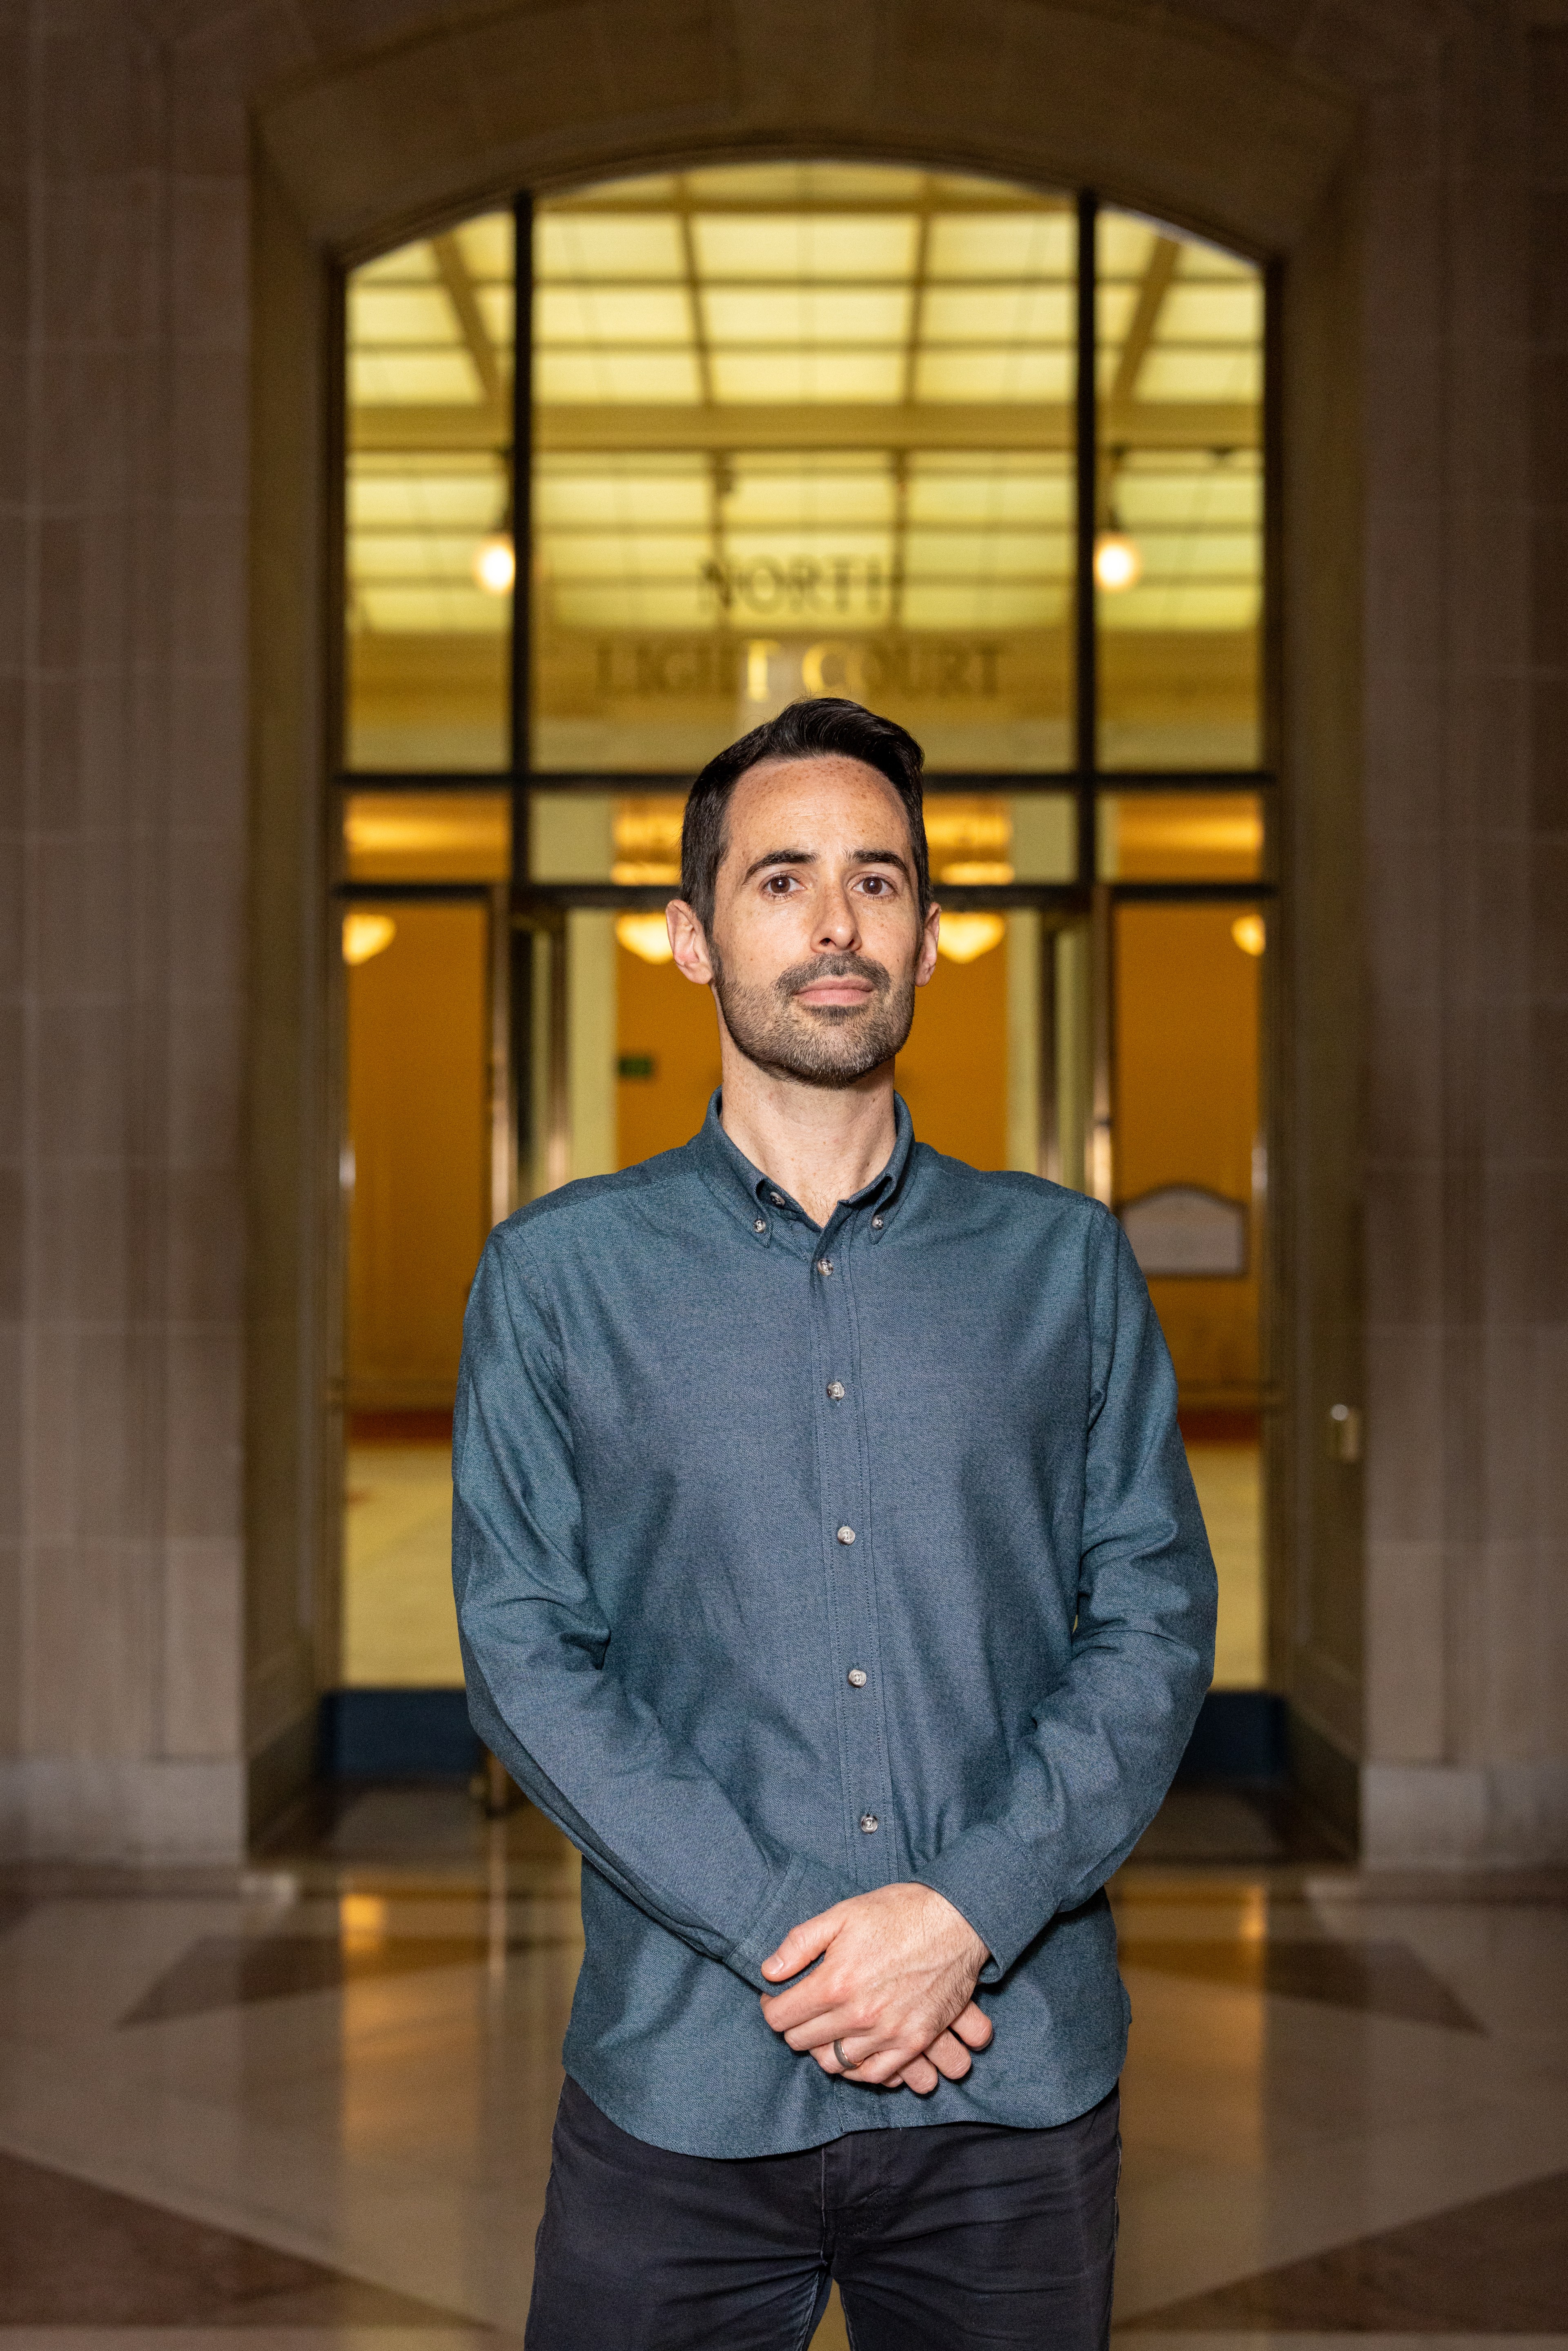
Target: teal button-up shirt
{"points": [[790, 1562]]}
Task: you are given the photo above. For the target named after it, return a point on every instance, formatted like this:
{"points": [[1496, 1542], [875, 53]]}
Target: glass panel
{"points": [[429, 503], [427, 836], [979, 841], [1179, 530], [584, 836], [416, 1173], [1181, 836], [802, 429], [1190, 1183]]}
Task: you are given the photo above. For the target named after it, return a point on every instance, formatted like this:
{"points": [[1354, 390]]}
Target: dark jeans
{"points": [[943, 2236]]}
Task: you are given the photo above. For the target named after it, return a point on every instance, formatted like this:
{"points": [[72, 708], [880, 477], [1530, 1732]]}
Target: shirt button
{"points": [[876, 1223], [760, 1224], [868, 1824], [824, 1267], [777, 1199], [836, 1391], [846, 1534], [857, 1677]]}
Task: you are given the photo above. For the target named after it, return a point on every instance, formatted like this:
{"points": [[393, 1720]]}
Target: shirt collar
{"points": [[749, 1193]]}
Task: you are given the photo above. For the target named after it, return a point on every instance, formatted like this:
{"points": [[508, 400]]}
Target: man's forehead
{"points": [[833, 775]]}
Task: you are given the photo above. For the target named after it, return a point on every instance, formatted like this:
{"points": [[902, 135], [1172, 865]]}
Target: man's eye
{"points": [[780, 885], [877, 884]]}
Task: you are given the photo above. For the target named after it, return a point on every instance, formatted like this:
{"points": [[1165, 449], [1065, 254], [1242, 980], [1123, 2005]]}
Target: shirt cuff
{"points": [[805, 1888], [996, 1884]]}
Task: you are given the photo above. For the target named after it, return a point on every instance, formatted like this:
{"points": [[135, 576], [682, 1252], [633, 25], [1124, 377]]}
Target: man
{"points": [[828, 1569]]}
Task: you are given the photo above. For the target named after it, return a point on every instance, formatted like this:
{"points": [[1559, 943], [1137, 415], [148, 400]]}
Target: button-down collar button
{"points": [[857, 1677], [877, 1223], [759, 1225], [869, 1823], [824, 1267], [846, 1534], [777, 1198], [836, 1391]]}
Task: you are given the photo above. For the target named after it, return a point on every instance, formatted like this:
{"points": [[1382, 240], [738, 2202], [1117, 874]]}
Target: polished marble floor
{"points": [[312, 2100]]}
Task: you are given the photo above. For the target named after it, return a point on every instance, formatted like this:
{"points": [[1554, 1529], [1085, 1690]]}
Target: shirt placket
{"points": [[848, 1539]]}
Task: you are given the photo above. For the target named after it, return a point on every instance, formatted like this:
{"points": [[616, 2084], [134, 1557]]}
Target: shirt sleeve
{"points": [[1102, 1745], [542, 1695]]}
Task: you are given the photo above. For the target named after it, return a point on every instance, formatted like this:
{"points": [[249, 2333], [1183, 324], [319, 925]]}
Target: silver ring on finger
{"points": [[845, 2064]]}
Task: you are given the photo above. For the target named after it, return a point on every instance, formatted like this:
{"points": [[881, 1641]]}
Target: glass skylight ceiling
{"points": [[804, 404]]}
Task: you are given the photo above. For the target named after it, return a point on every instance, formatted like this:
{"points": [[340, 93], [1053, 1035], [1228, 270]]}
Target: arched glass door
{"points": [[629, 468]]}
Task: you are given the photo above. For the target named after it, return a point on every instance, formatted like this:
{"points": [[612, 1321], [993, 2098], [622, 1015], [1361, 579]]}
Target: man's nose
{"points": [[837, 929]]}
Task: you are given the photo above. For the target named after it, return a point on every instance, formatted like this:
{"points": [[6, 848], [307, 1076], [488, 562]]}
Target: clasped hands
{"points": [[895, 1987]]}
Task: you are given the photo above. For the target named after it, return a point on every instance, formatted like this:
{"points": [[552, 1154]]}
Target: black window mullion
{"points": [[522, 526], [1085, 668]]}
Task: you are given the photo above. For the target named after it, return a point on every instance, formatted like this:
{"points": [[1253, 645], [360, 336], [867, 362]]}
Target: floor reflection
{"points": [[317, 2097]]}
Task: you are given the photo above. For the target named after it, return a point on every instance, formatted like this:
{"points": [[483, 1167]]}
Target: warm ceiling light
{"points": [[646, 935], [495, 563], [1250, 934], [365, 936], [966, 937], [974, 871], [1117, 563]]}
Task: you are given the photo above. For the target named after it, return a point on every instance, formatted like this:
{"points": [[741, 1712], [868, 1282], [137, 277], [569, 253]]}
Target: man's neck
{"points": [[819, 1143]]}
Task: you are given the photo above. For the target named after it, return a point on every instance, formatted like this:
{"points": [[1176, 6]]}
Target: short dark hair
{"points": [[805, 730]]}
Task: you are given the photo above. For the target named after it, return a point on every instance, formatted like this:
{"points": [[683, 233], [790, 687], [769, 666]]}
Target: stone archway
{"points": [[1406, 165], [1178, 116]]}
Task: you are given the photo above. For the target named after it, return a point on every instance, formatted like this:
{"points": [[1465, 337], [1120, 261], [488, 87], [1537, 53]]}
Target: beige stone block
{"points": [[85, 1228], [123, 1809], [92, 1612], [1548, 916], [13, 781], [1403, 903], [204, 1245], [209, 264], [1459, 1816], [341, 145], [206, 913], [203, 1079], [1406, 1695], [90, 123], [91, 1474], [82, 918], [83, 1080], [11, 1655], [87, 461], [204, 1649], [1405, 1398], [1518, 1704], [101, 238], [11, 1068], [205, 777], [204, 1471], [15, 573], [1405, 584], [1406, 1243], [1405, 1108], [12, 1409], [11, 931], [1524, 1245], [209, 426]]}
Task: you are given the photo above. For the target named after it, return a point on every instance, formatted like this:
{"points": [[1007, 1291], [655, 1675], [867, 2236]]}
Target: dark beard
{"points": [[833, 1045]]}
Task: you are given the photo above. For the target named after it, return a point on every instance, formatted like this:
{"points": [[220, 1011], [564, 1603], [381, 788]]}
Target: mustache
{"points": [[833, 966]]}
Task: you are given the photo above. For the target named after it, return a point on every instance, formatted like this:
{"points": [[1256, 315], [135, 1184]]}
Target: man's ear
{"points": [[926, 961], [688, 943]]}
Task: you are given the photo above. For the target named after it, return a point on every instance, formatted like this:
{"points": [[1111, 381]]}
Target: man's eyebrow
{"points": [[809, 856]]}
